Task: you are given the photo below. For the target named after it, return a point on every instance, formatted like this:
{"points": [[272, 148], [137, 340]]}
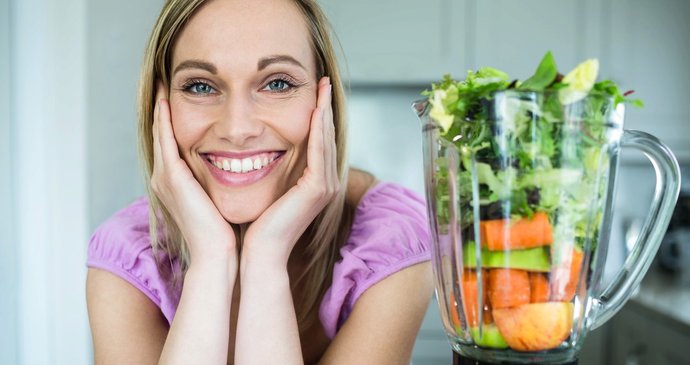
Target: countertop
{"points": [[665, 297]]}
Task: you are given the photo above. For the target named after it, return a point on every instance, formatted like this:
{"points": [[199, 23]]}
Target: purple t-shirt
{"points": [[389, 233]]}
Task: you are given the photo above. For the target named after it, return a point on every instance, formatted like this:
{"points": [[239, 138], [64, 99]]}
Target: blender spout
{"points": [[420, 107]]}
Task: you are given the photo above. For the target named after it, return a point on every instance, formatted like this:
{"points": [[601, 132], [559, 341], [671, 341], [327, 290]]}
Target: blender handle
{"points": [[640, 257]]}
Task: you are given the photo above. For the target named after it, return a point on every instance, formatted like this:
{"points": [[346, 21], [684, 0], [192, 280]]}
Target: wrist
{"points": [[266, 253], [213, 266], [267, 277], [212, 250], [262, 264]]}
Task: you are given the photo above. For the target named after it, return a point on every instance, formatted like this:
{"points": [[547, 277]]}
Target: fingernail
{"points": [[330, 89]]}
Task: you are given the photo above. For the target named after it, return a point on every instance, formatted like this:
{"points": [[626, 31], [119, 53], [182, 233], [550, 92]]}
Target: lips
{"points": [[236, 169], [243, 165]]}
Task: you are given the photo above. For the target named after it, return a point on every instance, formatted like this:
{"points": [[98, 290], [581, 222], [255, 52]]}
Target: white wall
{"points": [[8, 268], [117, 34], [68, 160], [385, 135], [48, 171]]}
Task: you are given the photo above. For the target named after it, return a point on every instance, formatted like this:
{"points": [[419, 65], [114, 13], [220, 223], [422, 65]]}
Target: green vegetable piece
{"points": [[490, 75], [610, 87], [499, 184], [579, 82], [491, 337], [544, 76], [531, 259]]}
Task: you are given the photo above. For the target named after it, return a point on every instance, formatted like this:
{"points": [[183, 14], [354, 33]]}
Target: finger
{"points": [[326, 120], [168, 144], [160, 91], [315, 146], [157, 155], [321, 100], [330, 148]]}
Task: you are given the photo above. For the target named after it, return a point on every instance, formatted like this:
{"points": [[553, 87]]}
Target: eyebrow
{"points": [[263, 63], [196, 64], [266, 61]]}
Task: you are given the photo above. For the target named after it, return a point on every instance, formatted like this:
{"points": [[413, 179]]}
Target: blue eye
{"points": [[199, 88], [278, 85]]}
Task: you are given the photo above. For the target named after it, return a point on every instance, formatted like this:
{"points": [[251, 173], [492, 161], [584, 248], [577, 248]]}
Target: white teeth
{"points": [[235, 165], [247, 165], [241, 165]]}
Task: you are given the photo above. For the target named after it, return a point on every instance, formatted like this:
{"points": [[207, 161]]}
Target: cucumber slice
{"points": [[491, 337], [531, 259]]}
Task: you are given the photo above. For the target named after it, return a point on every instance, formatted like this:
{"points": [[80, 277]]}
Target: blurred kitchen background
{"points": [[68, 160]]}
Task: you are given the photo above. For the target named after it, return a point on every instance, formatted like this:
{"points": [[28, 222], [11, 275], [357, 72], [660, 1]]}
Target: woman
{"points": [[255, 244]]}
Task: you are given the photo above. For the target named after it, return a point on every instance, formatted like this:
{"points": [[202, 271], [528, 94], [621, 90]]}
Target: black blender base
{"points": [[461, 360]]}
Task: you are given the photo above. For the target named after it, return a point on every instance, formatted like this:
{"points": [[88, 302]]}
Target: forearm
{"points": [[200, 331], [267, 328]]}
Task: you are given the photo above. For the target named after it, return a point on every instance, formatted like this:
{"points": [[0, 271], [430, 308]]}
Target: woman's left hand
{"points": [[273, 235]]}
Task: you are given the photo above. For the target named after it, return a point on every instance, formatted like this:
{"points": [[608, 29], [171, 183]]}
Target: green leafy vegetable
{"points": [[535, 146], [544, 76]]}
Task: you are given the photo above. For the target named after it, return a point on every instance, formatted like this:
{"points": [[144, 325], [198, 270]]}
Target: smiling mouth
{"points": [[243, 165]]}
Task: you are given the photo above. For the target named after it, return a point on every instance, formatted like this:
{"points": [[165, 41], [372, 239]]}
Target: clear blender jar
{"points": [[521, 226]]}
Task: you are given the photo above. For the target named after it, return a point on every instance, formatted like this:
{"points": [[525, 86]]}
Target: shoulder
{"points": [[390, 232], [121, 245], [383, 202], [122, 237], [389, 210], [126, 326]]}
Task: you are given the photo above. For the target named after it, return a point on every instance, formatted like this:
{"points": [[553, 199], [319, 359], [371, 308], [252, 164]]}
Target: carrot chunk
{"points": [[508, 288], [488, 317], [504, 234], [539, 288], [454, 316], [470, 295]]}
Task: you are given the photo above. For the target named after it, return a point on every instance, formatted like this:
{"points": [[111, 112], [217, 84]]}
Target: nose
{"points": [[239, 123]]}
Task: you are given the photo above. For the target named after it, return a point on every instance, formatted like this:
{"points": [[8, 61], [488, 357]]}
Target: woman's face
{"points": [[242, 90]]}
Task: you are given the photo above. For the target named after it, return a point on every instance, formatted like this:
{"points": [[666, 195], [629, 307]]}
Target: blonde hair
{"points": [[331, 227]]}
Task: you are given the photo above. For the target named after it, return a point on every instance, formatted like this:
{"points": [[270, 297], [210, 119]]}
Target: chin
{"points": [[240, 212], [241, 208], [240, 217], [240, 205]]}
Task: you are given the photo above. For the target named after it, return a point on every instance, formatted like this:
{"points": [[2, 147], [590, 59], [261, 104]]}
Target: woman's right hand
{"points": [[208, 234]]}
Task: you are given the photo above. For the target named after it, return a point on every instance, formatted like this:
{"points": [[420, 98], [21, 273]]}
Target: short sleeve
{"points": [[121, 246], [389, 233]]}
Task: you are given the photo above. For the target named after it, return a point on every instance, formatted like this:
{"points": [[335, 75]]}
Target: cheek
{"points": [[188, 125], [300, 126], [296, 122]]}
